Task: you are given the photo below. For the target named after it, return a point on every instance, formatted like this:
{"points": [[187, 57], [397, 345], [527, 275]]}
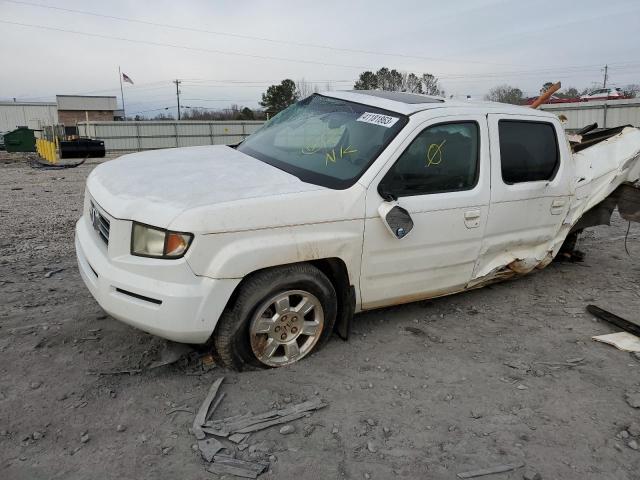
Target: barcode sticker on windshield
{"points": [[378, 119]]}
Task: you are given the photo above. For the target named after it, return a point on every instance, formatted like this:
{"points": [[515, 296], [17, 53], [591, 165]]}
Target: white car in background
{"points": [[343, 202], [603, 94]]}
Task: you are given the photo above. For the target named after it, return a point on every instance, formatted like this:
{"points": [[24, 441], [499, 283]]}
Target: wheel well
{"points": [[336, 271]]}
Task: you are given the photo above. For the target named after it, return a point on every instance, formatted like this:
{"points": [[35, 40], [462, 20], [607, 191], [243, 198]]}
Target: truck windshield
{"points": [[325, 141]]}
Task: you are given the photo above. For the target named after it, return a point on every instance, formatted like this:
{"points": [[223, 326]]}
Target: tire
{"points": [[238, 340]]}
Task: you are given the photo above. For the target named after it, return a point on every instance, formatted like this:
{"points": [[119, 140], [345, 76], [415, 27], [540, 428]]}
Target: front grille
{"points": [[100, 223]]}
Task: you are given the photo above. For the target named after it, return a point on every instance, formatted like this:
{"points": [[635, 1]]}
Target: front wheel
{"points": [[279, 316]]}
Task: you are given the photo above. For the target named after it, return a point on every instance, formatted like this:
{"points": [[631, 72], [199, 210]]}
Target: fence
{"points": [[135, 136], [607, 113]]}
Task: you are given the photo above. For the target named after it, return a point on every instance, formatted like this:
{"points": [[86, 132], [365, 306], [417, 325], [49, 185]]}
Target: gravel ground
{"points": [[464, 387]]}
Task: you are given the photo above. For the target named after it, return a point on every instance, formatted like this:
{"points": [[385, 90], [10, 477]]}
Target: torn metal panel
{"points": [[240, 468], [201, 416], [209, 447], [604, 175], [252, 423]]}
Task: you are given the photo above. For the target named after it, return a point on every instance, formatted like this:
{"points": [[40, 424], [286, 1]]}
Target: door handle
{"points": [[557, 206], [472, 218]]}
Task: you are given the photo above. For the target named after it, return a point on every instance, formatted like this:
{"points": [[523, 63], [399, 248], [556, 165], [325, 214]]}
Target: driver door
{"points": [[440, 176]]}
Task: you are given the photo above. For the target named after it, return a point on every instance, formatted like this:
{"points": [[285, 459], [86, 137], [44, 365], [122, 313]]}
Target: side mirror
{"points": [[397, 219]]}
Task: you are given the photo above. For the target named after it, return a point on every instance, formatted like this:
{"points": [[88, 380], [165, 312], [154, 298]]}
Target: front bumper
{"points": [[162, 297]]}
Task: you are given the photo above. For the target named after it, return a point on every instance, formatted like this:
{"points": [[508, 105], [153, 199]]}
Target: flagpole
{"points": [[124, 113]]}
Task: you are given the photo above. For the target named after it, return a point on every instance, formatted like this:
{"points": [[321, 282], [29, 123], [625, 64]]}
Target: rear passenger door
{"points": [[530, 191]]}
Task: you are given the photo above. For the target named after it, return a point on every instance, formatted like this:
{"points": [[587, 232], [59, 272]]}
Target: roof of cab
{"points": [[410, 103]]}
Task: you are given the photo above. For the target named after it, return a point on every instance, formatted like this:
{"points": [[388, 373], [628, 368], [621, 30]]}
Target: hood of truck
{"points": [[206, 189]]}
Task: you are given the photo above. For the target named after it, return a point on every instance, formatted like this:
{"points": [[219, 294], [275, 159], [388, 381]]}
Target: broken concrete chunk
{"points": [[209, 447], [241, 468], [237, 437], [633, 399], [287, 429], [634, 429]]}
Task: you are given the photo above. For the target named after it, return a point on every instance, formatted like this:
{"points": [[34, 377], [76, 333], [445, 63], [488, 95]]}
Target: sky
{"points": [[229, 52]]}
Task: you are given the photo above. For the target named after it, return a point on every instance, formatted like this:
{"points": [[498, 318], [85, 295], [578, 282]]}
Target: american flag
{"points": [[125, 78]]}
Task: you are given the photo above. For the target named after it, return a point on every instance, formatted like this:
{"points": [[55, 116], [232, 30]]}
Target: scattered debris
{"points": [[622, 341], [490, 471], [571, 362], [241, 468], [414, 330], [50, 273], [238, 437], [201, 416], [170, 353], [180, 409], [619, 322], [209, 447], [287, 429], [633, 399], [634, 429], [253, 423]]}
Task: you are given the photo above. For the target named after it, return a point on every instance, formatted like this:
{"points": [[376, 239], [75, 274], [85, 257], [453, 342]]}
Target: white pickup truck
{"points": [[345, 201]]}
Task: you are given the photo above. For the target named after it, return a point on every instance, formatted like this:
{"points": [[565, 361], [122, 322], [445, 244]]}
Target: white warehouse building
{"points": [[29, 114]]}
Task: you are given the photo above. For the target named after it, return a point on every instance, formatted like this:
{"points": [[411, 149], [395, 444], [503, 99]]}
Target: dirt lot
{"points": [[466, 389]]}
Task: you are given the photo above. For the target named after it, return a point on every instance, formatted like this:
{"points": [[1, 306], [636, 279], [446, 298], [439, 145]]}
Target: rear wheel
{"points": [[279, 316]]}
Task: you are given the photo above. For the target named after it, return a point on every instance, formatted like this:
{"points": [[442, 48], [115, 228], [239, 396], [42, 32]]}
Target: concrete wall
{"points": [[31, 114], [607, 113], [149, 135]]}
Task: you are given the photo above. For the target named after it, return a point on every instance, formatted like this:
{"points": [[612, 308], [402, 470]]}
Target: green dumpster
{"points": [[21, 139]]}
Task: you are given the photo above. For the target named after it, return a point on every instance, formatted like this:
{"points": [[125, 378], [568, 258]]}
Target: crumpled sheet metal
{"points": [[600, 170]]}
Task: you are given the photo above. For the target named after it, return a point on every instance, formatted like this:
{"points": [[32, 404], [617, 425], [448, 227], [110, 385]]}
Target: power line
{"points": [[183, 47], [251, 37], [538, 72]]}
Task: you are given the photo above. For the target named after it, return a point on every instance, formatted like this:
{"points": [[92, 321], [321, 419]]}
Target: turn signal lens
{"points": [[148, 241], [176, 244]]}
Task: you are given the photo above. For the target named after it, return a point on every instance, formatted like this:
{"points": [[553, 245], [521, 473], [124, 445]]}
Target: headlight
{"points": [[147, 241]]}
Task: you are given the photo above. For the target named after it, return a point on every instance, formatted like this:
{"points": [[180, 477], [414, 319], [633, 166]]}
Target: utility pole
{"points": [[178, 82], [604, 83]]}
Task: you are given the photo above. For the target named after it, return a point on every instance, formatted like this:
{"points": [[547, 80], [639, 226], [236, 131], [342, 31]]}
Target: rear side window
{"points": [[528, 151]]}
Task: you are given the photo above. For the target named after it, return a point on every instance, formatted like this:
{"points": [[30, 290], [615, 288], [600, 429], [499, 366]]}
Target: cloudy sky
{"points": [[229, 51]]}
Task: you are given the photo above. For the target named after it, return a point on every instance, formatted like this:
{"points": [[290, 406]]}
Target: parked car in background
{"points": [[603, 94], [343, 202]]}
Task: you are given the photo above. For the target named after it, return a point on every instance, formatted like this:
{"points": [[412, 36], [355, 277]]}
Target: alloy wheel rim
{"points": [[286, 327]]}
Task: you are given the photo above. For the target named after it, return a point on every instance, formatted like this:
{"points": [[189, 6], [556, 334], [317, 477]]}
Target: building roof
{"points": [[409, 103], [28, 104]]}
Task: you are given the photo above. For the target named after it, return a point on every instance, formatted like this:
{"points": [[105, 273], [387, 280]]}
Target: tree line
{"points": [[279, 96]]}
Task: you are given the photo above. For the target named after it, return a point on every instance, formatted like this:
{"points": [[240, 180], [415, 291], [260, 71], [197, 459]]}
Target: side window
{"points": [[528, 151], [442, 158]]}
